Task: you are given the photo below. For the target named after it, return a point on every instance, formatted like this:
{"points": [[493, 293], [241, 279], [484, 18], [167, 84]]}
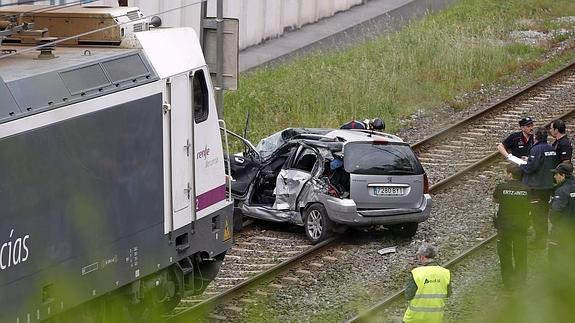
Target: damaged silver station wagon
{"points": [[327, 180]]}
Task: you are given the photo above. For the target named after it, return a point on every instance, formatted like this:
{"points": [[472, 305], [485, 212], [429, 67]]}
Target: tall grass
{"points": [[426, 64]]}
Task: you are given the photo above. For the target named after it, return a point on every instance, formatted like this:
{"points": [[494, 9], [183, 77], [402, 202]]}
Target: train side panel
{"points": [[84, 202], [83, 188]]}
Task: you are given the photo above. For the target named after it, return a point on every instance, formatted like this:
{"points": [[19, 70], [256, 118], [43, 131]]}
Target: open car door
{"points": [[244, 166]]}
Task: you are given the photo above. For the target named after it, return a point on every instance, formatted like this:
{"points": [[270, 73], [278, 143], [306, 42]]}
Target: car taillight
{"points": [[331, 191], [380, 142], [425, 184]]}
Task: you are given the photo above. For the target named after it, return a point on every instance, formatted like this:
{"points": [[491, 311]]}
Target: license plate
{"points": [[388, 191]]}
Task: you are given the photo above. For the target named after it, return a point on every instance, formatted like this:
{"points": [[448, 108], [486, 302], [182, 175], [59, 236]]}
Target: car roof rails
{"points": [[331, 145], [377, 133], [314, 136]]}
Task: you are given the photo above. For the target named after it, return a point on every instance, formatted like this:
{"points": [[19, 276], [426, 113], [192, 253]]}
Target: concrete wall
{"points": [[259, 19]]}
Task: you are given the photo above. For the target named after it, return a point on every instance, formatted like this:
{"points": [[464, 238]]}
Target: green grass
{"points": [[424, 65]]}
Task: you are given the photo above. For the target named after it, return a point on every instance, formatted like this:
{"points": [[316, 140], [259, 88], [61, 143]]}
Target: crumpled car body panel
{"points": [[271, 214], [313, 191], [288, 185]]}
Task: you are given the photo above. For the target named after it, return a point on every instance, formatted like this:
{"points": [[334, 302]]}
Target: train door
{"points": [[210, 185], [181, 150]]}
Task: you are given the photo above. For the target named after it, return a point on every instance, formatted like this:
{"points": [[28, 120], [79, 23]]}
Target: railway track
{"points": [[372, 313], [461, 145], [482, 169], [277, 256], [446, 157]]}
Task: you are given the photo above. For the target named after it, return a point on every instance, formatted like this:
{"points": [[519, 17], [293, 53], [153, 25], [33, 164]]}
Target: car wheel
{"points": [[405, 230], [317, 225]]}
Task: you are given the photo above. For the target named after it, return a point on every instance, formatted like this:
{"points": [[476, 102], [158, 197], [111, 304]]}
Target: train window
{"points": [[126, 68], [85, 79], [200, 98]]}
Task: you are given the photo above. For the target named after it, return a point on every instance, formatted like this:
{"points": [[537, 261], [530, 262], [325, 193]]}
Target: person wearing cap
{"points": [[427, 288], [562, 211], [518, 143], [562, 144], [537, 176], [511, 222]]}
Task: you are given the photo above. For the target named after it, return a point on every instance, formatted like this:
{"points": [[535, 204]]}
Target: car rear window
{"points": [[381, 159]]}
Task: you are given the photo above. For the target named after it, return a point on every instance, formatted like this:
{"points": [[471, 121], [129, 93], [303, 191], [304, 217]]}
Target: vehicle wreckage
{"points": [[329, 179]]}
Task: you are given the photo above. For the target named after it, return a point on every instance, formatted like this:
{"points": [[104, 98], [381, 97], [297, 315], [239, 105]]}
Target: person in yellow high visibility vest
{"points": [[427, 288]]}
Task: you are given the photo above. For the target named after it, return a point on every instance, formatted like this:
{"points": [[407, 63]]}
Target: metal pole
{"points": [[203, 15], [220, 59]]}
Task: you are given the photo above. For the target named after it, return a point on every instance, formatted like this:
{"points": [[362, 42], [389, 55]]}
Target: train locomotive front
{"points": [[112, 180]]}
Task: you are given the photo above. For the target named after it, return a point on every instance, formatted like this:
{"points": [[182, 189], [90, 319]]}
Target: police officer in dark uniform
{"points": [[562, 212], [511, 223], [518, 143], [537, 176], [562, 144]]}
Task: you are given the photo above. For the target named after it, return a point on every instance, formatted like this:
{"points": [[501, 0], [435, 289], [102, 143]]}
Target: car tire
{"points": [[316, 223], [405, 230]]}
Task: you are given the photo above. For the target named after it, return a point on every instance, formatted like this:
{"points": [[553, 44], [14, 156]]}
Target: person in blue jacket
{"points": [[538, 177], [562, 213], [376, 124]]}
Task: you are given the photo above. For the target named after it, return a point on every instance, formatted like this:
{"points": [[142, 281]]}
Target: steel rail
{"points": [[366, 314], [449, 180], [203, 308], [531, 86], [484, 161]]}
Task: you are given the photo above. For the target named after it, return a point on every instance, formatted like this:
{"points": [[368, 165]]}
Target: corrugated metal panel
{"points": [[324, 9], [273, 18], [290, 14], [307, 12], [259, 19], [253, 13]]}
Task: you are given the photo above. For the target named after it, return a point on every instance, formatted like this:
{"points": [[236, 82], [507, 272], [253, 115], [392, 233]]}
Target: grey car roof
{"points": [[362, 135], [345, 134], [319, 137]]}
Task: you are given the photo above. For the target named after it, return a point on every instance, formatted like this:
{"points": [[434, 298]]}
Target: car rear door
{"points": [[384, 175], [294, 176]]}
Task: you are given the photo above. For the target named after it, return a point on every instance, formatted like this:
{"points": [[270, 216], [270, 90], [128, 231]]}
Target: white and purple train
{"points": [[112, 182]]}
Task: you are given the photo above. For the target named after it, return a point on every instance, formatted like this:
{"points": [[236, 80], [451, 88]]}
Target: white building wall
{"points": [[259, 19], [263, 19]]}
